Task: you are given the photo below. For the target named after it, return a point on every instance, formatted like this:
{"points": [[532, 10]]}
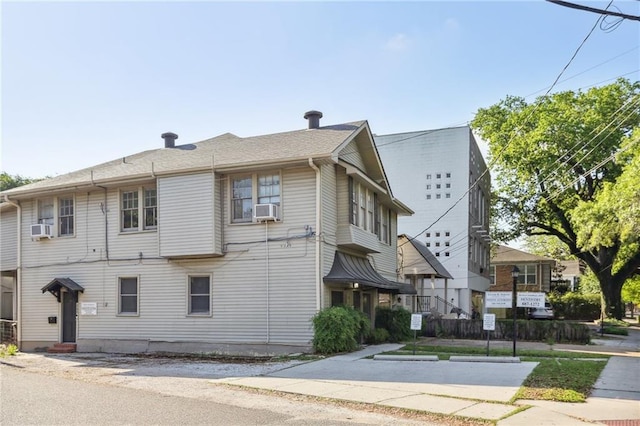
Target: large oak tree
{"points": [[568, 166]]}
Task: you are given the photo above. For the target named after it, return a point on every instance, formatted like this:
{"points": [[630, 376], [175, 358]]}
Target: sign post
{"points": [[489, 324], [416, 324]]}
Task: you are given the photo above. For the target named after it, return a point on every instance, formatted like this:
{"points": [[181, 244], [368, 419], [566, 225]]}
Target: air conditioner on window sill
{"points": [[263, 212], [41, 230]]}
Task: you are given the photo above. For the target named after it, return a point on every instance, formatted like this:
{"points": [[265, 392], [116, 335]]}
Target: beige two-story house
{"points": [[229, 245]]}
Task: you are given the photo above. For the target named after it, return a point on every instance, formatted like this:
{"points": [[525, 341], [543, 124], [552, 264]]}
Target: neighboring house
{"points": [[568, 273], [534, 271], [441, 175], [229, 245], [421, 269]]}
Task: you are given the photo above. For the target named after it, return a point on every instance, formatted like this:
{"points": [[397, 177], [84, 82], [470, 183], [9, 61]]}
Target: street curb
{"points": [[501, 359], [405, 357]]}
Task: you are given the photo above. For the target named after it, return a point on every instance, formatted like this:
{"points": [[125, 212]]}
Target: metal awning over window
{"points": [[57, 284], [348, 269]]}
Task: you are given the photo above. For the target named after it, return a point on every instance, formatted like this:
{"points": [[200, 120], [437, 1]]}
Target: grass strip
{"points": [[536, 353]]}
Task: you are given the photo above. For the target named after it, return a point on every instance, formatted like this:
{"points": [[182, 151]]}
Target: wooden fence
{"points": [[532, 330]]}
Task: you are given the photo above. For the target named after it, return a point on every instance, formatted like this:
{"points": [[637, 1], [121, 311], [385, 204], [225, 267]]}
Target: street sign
{"points": [[489, 322], [497, 299], [416, 322], [530, 300]]}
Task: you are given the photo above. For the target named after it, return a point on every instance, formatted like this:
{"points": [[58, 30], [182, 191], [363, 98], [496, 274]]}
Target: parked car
{"points": [[545, 313]]}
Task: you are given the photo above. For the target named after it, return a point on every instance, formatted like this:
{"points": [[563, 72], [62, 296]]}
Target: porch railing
{"points": [[8, 331]]}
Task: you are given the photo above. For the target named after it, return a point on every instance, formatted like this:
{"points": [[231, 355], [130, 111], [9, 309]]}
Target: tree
{"points": [[7, 181], [567, 167]]}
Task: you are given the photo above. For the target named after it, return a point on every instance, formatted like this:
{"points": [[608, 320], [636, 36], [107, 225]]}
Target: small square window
{"points": [[428, 196], [446, 243], [448, 175], [446, 253], [437, 243], [428, 234], [438, 196], [428, 176], [448, 185], [447, 233], [437, 254], [437, 234], [438, 186], [447, 195], [438, 175], [428, 244], [428, 186]]}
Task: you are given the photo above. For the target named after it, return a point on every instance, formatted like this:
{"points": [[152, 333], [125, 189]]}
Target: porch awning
{"points": [[351, 269], [57, 284]]}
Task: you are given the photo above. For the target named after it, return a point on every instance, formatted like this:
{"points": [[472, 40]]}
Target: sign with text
{"points": [[497, 299], [489, 322], [88, 308], [416, 322], [530, 300]]}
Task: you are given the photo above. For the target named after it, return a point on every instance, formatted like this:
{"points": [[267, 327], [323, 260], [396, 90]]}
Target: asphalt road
{"points": [[28, 398]]}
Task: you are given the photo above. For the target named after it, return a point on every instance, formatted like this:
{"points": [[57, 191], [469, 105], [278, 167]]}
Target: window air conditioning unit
{"points": [[41, 230], [262, 212]]}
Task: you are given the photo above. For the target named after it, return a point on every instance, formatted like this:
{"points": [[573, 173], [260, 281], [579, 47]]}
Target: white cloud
{"points": [[397, 43]]}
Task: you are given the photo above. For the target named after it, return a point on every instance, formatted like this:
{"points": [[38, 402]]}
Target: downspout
{"points": [[318, 247], [266, 245], [18, 269]]}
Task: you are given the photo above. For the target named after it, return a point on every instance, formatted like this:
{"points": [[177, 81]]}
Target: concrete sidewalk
{"points": [[480, 390]]}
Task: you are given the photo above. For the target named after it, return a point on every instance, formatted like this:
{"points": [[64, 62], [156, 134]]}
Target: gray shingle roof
{"points": [[226, 152]]}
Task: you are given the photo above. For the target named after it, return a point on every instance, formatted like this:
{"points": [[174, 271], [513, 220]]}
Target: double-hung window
{"points": [[128, 296], [527, 274], [199, 295], [58, 212], [247, 190], [65, 216], [131, 209]]}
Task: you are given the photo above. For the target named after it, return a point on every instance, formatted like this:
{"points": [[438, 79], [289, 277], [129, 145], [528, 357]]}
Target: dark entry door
{"points": [[68, 317]]}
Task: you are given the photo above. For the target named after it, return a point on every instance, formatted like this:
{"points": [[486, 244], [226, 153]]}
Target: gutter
{"points": [[318, 223], [18, 267]]}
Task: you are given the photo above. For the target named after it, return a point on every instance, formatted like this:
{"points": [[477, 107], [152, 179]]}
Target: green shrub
{"points": [[396, 321], [339, 329], [379, 335], [9, 349], [575, 306]]}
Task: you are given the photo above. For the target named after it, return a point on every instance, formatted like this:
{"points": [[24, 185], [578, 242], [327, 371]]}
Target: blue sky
{"points": [[87, 82]]}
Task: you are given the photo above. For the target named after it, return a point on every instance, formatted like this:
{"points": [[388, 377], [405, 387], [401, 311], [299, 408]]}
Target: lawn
{"points": [[559, 376]]}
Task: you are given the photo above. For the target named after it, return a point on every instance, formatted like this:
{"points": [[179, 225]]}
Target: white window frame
{"points": [[141, 209], [492, 275], [122, 313], [190, 295], [527, 274], [52, 215], [256, 196]]}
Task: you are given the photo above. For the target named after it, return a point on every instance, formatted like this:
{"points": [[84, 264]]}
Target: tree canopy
{"points": [[8, 181], [568, 166]]}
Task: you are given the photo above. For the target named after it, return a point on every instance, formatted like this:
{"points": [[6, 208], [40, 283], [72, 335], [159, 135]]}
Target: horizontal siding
{"points": [[248, 305], [186, 215], [8, 239], [351, 154]]}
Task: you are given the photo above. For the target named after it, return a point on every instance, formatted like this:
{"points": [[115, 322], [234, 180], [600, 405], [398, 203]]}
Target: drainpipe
{"points": [[18, 269], [318, 248]]}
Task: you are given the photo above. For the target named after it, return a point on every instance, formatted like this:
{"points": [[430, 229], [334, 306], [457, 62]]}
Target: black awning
{"points": [[351, 269], [57, 284]]}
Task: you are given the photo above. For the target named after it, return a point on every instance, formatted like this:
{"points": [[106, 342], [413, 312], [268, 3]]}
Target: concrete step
{"points": [[62, 348]]}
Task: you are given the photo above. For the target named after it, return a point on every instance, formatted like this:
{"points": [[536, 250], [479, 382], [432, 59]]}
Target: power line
{"points": [[595, 10]]}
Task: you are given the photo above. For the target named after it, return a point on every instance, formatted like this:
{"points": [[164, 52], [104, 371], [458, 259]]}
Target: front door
{"points": [[68, 317]]}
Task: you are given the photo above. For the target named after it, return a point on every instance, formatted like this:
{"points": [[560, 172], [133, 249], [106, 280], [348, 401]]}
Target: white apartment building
{"points": [[441, 175]]}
